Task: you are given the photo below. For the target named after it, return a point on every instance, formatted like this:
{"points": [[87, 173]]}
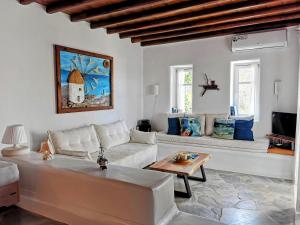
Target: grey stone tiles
{"points": [[240, 199]]}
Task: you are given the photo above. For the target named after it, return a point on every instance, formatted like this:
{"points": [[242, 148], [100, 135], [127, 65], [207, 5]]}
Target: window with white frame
{"points": [[245, 85], [182, 88]]}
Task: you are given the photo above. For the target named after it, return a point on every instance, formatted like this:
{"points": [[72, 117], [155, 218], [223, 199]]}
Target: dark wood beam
{"points": [[186, 6], [160, 13], [26, 2], [62, 6], [217, 28], [114, 9], [191, 17], [186, 27], [256, 28]]}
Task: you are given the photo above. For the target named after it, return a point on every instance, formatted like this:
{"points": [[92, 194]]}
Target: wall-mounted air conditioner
{"points": [[271, 39]]}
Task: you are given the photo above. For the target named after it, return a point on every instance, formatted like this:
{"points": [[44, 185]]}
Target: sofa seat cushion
{"points": [[76, 139], [259, 145], [9, 173], [133, 155], [113, 134]]}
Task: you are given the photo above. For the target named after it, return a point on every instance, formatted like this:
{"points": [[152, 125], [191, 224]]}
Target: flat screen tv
{"points": [[284, 124]]}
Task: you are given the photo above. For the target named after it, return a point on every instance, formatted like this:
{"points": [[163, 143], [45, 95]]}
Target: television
{"points": [[284, 124]]}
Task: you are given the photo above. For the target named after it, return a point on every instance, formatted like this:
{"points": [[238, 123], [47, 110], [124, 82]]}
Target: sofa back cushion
{"points": [[210, 120], [82, 139], [113, 134]]}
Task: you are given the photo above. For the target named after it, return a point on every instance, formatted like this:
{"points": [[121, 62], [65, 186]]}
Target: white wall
{"points": [[27, 85], [213, 56]]}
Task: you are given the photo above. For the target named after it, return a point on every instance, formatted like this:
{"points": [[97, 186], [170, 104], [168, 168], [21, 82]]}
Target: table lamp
{"points": [[15, 135]]}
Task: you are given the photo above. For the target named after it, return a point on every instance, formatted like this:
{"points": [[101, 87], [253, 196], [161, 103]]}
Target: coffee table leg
{"points": [[202, 179], [188, 192]]}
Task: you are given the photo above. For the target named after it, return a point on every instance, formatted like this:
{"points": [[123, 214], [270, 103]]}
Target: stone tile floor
{"points": [[240, 199], [16, 216]]}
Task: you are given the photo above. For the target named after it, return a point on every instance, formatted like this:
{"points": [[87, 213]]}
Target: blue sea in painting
{"points": [[96, 76]]}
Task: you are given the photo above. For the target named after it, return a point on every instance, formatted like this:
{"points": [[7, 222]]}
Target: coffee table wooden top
{"points": [[183, 168]]}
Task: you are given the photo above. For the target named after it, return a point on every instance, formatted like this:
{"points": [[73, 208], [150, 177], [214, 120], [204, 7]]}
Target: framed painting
{"points": [[84, 80]]}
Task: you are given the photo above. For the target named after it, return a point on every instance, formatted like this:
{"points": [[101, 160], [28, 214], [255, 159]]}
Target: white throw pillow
{"points": [[80, 154], [76, 139], [113, 134], [143, 137], [210, 120]]}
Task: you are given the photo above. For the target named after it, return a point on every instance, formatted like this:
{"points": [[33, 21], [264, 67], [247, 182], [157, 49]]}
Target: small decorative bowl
{"points": [[182, 157]]}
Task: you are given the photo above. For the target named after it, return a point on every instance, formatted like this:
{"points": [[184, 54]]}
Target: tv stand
{"points": [[281, 142]]}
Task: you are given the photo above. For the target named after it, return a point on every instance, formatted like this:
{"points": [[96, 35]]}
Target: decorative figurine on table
{"points": [[46, 150], [102, 161]]}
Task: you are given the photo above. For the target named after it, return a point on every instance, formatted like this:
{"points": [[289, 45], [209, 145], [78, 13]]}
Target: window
{"points": [[182, 88], [245, 83]]}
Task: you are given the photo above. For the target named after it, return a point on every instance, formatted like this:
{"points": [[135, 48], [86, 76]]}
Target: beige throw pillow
{"points": [[141, 137], [209, 122]]}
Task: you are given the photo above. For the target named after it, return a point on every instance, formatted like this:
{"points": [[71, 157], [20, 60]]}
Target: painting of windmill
{"points": [[85, 80]]}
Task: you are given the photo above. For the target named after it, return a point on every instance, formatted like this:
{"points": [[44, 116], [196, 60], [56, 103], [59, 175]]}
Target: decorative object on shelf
{"points": [[15, 135], [233, 111], [46, 150], [102, 161], [84, 80], [210, 85], [144, 125], [174, 110]]}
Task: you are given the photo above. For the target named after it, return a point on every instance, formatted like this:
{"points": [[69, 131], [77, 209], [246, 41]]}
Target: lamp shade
{"points": [[14, 134]]}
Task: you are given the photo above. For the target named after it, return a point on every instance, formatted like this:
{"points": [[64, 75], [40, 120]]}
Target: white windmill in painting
{"points": [[76, 87]]}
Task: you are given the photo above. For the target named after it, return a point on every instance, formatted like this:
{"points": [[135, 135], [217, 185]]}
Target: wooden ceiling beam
{"points": [[114, 9], [222, 20], [191, 17], [154, 14], [62, 6], [26, 2], [227, 26], [183, 6], [256, 28]]}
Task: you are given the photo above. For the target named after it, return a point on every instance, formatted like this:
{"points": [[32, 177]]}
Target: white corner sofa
{"points": [[72, 189], [250, 157], [120, 145]]}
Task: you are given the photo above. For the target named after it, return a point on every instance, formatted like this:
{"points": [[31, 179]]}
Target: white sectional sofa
{"points": [[75, 191], [249, 157]]}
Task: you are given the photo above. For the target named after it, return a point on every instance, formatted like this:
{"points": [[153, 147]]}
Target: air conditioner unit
{"points": [[271, 39]]}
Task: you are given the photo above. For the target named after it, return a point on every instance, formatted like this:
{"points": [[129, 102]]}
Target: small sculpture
{"points": [[46, 151], [102, 161]]}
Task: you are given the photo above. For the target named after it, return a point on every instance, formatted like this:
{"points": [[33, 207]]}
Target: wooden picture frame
{"points": [[84, 80]]}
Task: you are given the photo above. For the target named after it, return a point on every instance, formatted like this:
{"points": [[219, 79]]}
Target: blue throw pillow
{"points": [[224, 128], [174, 126], [190, 127], [243, 130]]}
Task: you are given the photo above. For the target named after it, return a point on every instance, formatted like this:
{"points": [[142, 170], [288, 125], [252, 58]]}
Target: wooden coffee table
{"points": [[183, 170]]}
